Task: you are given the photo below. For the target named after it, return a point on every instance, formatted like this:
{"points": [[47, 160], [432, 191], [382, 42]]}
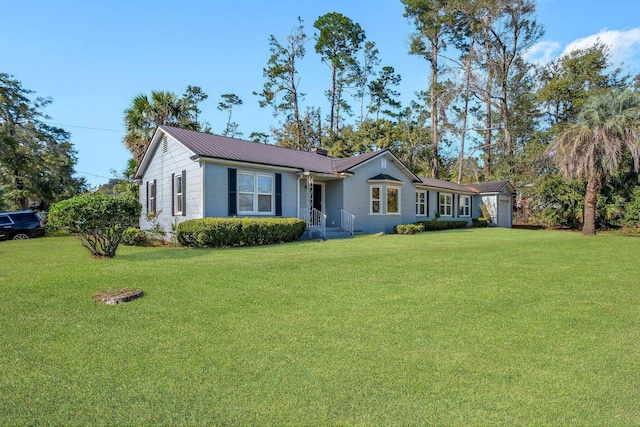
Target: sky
{"points": [[93, 57]]}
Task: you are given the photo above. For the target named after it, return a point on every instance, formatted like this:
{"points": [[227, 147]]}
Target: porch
{"points": [[320, 198]]}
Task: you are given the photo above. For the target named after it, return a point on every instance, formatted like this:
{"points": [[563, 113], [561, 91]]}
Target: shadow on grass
{"points": [[175, 252]]}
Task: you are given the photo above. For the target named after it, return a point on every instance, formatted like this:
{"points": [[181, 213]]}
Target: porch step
{"points": [[332, 233], [337, 233]]}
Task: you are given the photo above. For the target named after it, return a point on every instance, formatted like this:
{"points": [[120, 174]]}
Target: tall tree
{"points": [[383, 94], [146, 113], [567, 81], [594, 146], [338, 41], [281, 89], [230, 100], [36, 160], [511, 36], [431, 19]]}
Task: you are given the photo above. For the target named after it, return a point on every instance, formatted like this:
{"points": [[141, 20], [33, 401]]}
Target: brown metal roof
{"points": [[220, 147], [446, 185], [488, 187]]}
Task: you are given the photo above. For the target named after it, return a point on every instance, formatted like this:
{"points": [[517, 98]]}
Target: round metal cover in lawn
{"points": [[116, 296]]}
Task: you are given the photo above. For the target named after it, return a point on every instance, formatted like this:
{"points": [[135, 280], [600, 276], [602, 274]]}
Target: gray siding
{"points": [[162, 166], [357, 199], [216, 188], [334, 199]]}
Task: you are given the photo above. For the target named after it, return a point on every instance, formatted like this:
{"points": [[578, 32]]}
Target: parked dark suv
{"points": [[20, 225]]}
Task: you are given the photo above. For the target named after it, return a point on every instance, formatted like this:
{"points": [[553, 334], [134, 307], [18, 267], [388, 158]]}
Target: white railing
{"points": [[346, 221], [316, 220]]}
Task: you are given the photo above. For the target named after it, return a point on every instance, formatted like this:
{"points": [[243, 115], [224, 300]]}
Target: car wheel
{"points": [[20, 236]]}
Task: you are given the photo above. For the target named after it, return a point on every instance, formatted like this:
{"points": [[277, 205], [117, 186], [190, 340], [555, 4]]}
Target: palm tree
{"points": [[606, 129], [147, 113]]}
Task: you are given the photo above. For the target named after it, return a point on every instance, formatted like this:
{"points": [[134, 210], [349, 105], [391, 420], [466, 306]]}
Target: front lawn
{"points": [[482, 326]]}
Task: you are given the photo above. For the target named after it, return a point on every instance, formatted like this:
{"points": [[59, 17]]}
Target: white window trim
{"points": [[423, 204], [463, 206], [151, 196], [256, 193], [386, 204], [444, 205], [177, 196], [379, 199]]}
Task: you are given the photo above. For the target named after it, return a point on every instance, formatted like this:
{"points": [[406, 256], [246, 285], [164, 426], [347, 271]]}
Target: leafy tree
{"points": [[304, 135], [281, 90], [230, 100], [593, 146], [36, 160], [98, 221], [338, 41], [431, 19], [568, 81], [146, 113], [383, 94]]}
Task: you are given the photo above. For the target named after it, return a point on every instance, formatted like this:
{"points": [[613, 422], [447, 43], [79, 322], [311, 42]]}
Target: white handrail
{"points": [[346, 221], [316, 220]]}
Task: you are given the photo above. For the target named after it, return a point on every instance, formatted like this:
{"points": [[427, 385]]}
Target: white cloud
{"points": [[542, 52], [624, 46]]}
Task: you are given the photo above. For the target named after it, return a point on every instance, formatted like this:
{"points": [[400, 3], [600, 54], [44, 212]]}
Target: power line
{"points": [[85, 127], [93, 174]]}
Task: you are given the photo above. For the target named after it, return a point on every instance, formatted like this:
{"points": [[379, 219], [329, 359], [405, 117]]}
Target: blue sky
{"points": [[93, 57]]}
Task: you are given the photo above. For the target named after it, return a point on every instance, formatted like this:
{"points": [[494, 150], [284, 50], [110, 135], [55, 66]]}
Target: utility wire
{"points": [[86, 127]]}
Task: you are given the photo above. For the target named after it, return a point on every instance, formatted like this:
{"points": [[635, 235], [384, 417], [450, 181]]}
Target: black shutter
{"points": [[427, 201], [184, 193], [233, 201], [437, 203], [278, 194], [148, 198], [173, 194]]}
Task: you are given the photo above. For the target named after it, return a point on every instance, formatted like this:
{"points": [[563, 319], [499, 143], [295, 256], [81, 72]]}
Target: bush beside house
{"points": [[225, 232]]}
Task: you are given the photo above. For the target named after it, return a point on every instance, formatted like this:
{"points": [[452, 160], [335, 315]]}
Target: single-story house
{"points": [[186, 174]]}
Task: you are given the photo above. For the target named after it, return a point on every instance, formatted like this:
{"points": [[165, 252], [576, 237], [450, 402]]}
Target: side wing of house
{"points": [[248, 190], [381, 194], [171, 184], [499, 205]]}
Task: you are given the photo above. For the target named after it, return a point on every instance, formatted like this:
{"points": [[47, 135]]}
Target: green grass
{"points": [[464, 327]]}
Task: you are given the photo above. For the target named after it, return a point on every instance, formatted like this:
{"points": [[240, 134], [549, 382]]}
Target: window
{"points": [[178, 193], [375, 199], [445, 204], [465, 206], [393, 200], [421, 203], [4, 220], [255, 193], [151, 196]]}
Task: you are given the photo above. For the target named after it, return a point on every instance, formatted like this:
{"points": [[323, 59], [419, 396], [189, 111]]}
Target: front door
{"points": [[317, 197]]}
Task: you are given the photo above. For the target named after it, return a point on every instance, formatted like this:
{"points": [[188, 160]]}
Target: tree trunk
{"points": [[488, 122], [434, 108], [467, 91], [333, 98], [590, 205]]}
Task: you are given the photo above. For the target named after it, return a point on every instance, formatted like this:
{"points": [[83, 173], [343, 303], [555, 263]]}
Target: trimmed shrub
{"points": [[631, 215], [480, 222], [435, 225], [225, 232], [408, 228], [135, 237], [98, 220]]}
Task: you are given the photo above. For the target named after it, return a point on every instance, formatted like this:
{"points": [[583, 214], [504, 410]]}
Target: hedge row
{"points": [[435, 225], [480, 222], [225, 232], [408, 228]]}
